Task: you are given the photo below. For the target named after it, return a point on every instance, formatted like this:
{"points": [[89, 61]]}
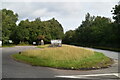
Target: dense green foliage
{"points": [[96, 31], [116, 17], [29, 31], [69, 37], [9, 19]]}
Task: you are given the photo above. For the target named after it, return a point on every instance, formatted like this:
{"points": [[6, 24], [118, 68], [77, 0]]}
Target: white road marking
{"points": [[91, 75], [117, 74]]}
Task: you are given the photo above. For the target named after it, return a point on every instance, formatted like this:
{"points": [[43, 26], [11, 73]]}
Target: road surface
{"points": [[14, 69]]}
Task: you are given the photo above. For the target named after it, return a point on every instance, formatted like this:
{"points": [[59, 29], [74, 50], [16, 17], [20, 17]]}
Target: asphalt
{"points": [[14, 69]]}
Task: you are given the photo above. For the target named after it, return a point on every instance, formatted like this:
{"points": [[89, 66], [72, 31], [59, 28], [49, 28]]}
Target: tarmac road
{"points": [[14, 69]]}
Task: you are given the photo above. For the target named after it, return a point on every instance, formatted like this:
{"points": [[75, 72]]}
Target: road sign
{"points": [[56, 43]]}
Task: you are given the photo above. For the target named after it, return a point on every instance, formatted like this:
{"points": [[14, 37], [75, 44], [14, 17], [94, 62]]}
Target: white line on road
{"points": [[91, 75]]}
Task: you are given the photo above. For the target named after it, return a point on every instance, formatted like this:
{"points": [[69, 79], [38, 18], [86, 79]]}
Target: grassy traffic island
{"points": [[65, 57]]}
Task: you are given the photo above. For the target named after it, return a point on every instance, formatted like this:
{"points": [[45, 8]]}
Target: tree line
{"points": [[97, 31], [28, 31], [94, 30]]}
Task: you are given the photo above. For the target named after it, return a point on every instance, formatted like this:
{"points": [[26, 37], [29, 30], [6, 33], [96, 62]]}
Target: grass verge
{"points": [[13, 45], [107, 48], [9, 45], [43, 46], [100, 47], [66, 57]]}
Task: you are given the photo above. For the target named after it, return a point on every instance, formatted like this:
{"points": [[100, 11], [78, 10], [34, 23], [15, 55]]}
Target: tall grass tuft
{"points": [[59, 53]]}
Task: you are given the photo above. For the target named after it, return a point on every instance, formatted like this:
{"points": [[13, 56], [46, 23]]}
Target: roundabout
{"points": [[14, 69]]}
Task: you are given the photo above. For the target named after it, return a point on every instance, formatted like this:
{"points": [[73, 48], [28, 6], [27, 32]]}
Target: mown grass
{"points": [[67, 57]]}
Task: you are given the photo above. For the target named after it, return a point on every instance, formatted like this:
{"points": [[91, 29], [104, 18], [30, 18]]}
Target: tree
{"points": [[38, 19], [33, 30], [116, 13], [82, 33], [19, 35], [28, 31], [24, 27], [9, 19], [116, 17], [88, 20], [94, 31], [69, 37]]}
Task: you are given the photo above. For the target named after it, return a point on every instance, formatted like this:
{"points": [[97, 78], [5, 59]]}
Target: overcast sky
{"points": [[69, 13]]}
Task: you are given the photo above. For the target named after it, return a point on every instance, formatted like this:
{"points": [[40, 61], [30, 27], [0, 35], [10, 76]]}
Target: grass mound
{"points": [[67, 57]]}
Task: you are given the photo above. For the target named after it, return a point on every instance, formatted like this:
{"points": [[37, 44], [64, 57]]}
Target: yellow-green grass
{"points": [[67, 57], [43, 46], [9, 45]]}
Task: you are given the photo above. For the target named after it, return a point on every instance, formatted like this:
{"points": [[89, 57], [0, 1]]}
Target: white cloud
{"points": [[60, 0], [40, 12]]}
